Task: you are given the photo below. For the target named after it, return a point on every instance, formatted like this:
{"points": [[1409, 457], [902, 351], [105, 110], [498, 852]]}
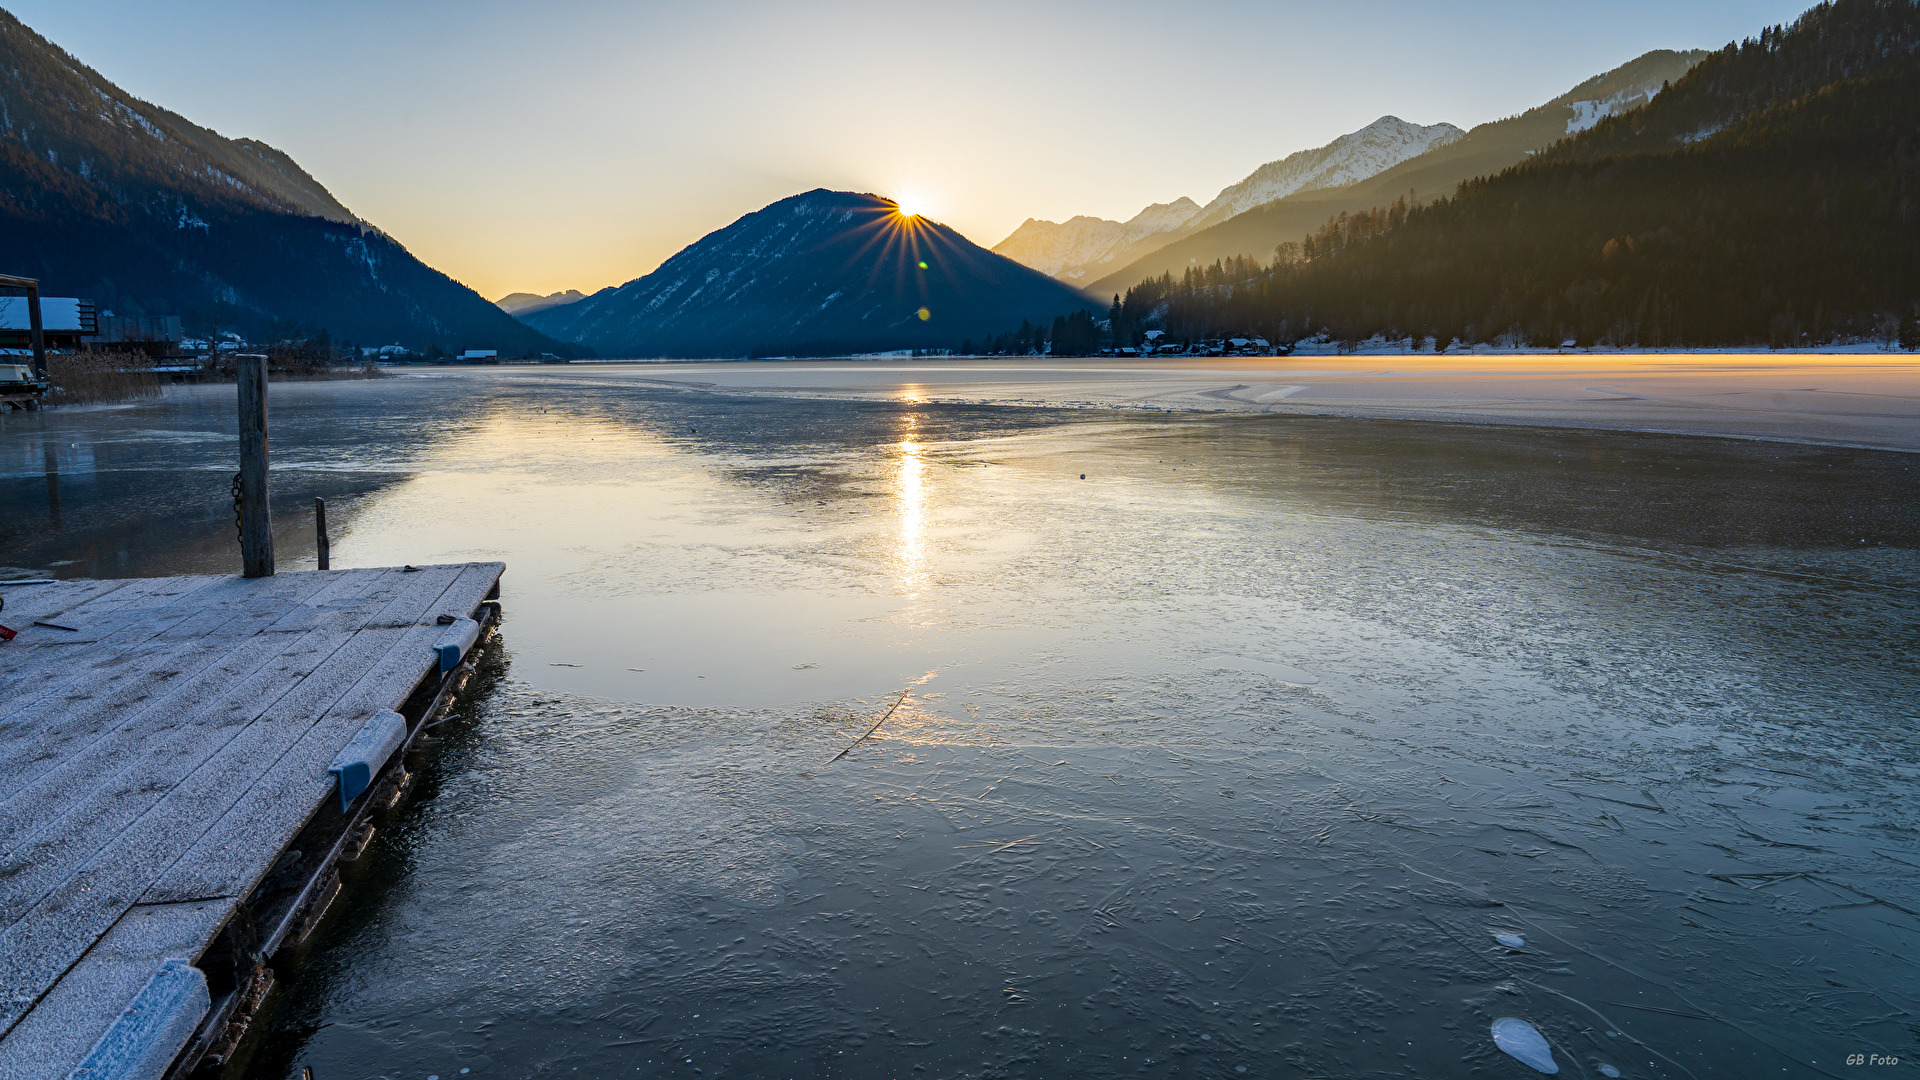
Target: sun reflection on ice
{"points": [[910, 489]]}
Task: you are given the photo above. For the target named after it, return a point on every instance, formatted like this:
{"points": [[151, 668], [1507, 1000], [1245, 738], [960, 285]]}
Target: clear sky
{"points": [[578, 143]]}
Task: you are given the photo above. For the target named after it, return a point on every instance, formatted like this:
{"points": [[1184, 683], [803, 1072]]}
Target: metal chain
{"points": [[239, 530]]}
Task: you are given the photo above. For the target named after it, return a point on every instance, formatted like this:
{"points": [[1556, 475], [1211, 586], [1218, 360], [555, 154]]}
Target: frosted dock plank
{"points": [[156, 759]]}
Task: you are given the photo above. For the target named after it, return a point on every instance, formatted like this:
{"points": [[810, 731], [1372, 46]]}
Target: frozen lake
{"points": [[1235, 757]]}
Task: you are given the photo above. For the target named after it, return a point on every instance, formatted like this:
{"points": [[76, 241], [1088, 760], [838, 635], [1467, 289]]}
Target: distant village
{"points": [[72, 327]]}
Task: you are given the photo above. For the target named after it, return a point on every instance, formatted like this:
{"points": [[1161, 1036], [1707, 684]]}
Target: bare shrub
{"points": [[91, 377], [317, 358]]}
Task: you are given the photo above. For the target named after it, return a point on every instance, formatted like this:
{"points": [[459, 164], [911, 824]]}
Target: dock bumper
{"points": [[143, 1042], [364, 755], [460, 636]]}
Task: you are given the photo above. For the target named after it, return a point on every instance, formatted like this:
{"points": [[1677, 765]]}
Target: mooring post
{"points": [[256, 512], [321, 543]]}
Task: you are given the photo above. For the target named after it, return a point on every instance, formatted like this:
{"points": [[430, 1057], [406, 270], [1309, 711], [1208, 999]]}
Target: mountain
{"points": [[1348, 159], [1767, 198], [1485, 150], [1082, 246], [1087, 247], [821, 273], [521, 303], [106, 196]]}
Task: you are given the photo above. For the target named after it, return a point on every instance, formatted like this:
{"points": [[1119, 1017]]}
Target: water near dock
{"points": [[1240, 753]]}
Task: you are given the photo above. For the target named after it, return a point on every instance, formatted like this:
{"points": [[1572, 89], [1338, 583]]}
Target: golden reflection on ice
{"points": [[910, 488]]}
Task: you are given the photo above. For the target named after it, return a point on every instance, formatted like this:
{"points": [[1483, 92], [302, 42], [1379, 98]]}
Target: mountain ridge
{"points": [[1483, 150], [525, 303], [818, 273], [106, 196], [1082, 246], [1766, 198]]}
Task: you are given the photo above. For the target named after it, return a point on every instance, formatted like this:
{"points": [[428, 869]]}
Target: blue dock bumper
{"points": [[148, 1035], [360, 760], [454, 644]]}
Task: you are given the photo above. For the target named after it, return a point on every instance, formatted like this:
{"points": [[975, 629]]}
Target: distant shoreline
{"points": [[1859, 400]]}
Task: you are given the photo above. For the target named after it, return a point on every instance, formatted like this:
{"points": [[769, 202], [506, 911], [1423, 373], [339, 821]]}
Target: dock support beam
{"points": [[256, 512]]}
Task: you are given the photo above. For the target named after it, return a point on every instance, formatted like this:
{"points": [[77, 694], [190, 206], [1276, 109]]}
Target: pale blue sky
{"points": [[577, 143]]}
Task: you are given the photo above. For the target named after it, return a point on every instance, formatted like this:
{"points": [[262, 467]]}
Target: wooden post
{"points": [[322, 544], [256, 512], [38, 334]]}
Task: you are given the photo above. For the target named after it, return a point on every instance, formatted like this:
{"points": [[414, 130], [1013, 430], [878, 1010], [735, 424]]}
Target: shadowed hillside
{"points": [[1770, 197], [106, 196], [820, 273]]}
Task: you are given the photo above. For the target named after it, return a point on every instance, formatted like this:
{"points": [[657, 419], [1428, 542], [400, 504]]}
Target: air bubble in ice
{"points": [[1609, 1072], [1511, 941], [1524, 1043]]}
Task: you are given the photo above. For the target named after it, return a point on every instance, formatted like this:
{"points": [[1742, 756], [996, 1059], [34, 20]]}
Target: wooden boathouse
{"points": [[187, 764]]}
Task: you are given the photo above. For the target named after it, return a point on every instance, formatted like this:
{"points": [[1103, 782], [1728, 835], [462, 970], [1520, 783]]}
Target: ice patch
{"points": [[1286, 673], [1511, 941], [1283, 392], [1609, 1072], [1524, 1043]]}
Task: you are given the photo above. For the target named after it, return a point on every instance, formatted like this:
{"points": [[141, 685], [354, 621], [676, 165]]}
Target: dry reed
{"points": [[90, 377]]}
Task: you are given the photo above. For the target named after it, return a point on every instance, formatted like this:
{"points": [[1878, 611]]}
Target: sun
{"points": [[908, 207]]}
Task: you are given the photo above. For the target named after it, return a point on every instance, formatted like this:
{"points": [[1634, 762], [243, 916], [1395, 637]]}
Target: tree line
{"points": [[1769, 198]]}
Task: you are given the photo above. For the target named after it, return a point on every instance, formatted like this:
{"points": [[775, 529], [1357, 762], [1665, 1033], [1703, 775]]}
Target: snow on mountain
{"points": [[1085, 248], [1623, 89], [1373, 149], [1073, 250]]}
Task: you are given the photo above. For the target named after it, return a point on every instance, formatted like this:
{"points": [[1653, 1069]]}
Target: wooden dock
{"points": [[168, 820]]}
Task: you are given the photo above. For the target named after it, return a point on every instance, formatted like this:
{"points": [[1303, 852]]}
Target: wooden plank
{"points": [[45, 663], [25, 603], [50, 727], [63, 922], [101, 617], [53, 1038], [75, 806], [76, 809], [354, 601], [233, 855], [237, 606], [199, 614], [108, 689], [34, 735]]}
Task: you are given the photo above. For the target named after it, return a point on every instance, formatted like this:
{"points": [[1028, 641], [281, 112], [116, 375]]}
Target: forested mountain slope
{"points": [[1770, 197], [106, 196], [1485, 150]]}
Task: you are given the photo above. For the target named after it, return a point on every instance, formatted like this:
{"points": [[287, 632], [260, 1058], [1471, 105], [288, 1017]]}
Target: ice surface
{"points": [[1626, 693], [1511, 941], [1523, 1042]]}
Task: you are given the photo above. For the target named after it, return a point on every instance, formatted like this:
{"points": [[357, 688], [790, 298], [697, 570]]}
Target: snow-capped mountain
{"points": [[821, 273], [1084, 248], [1076, 249], [1373, 149]]}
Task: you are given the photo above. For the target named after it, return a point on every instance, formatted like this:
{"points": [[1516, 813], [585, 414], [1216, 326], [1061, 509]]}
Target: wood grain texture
{"points": [[164, 762]]}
